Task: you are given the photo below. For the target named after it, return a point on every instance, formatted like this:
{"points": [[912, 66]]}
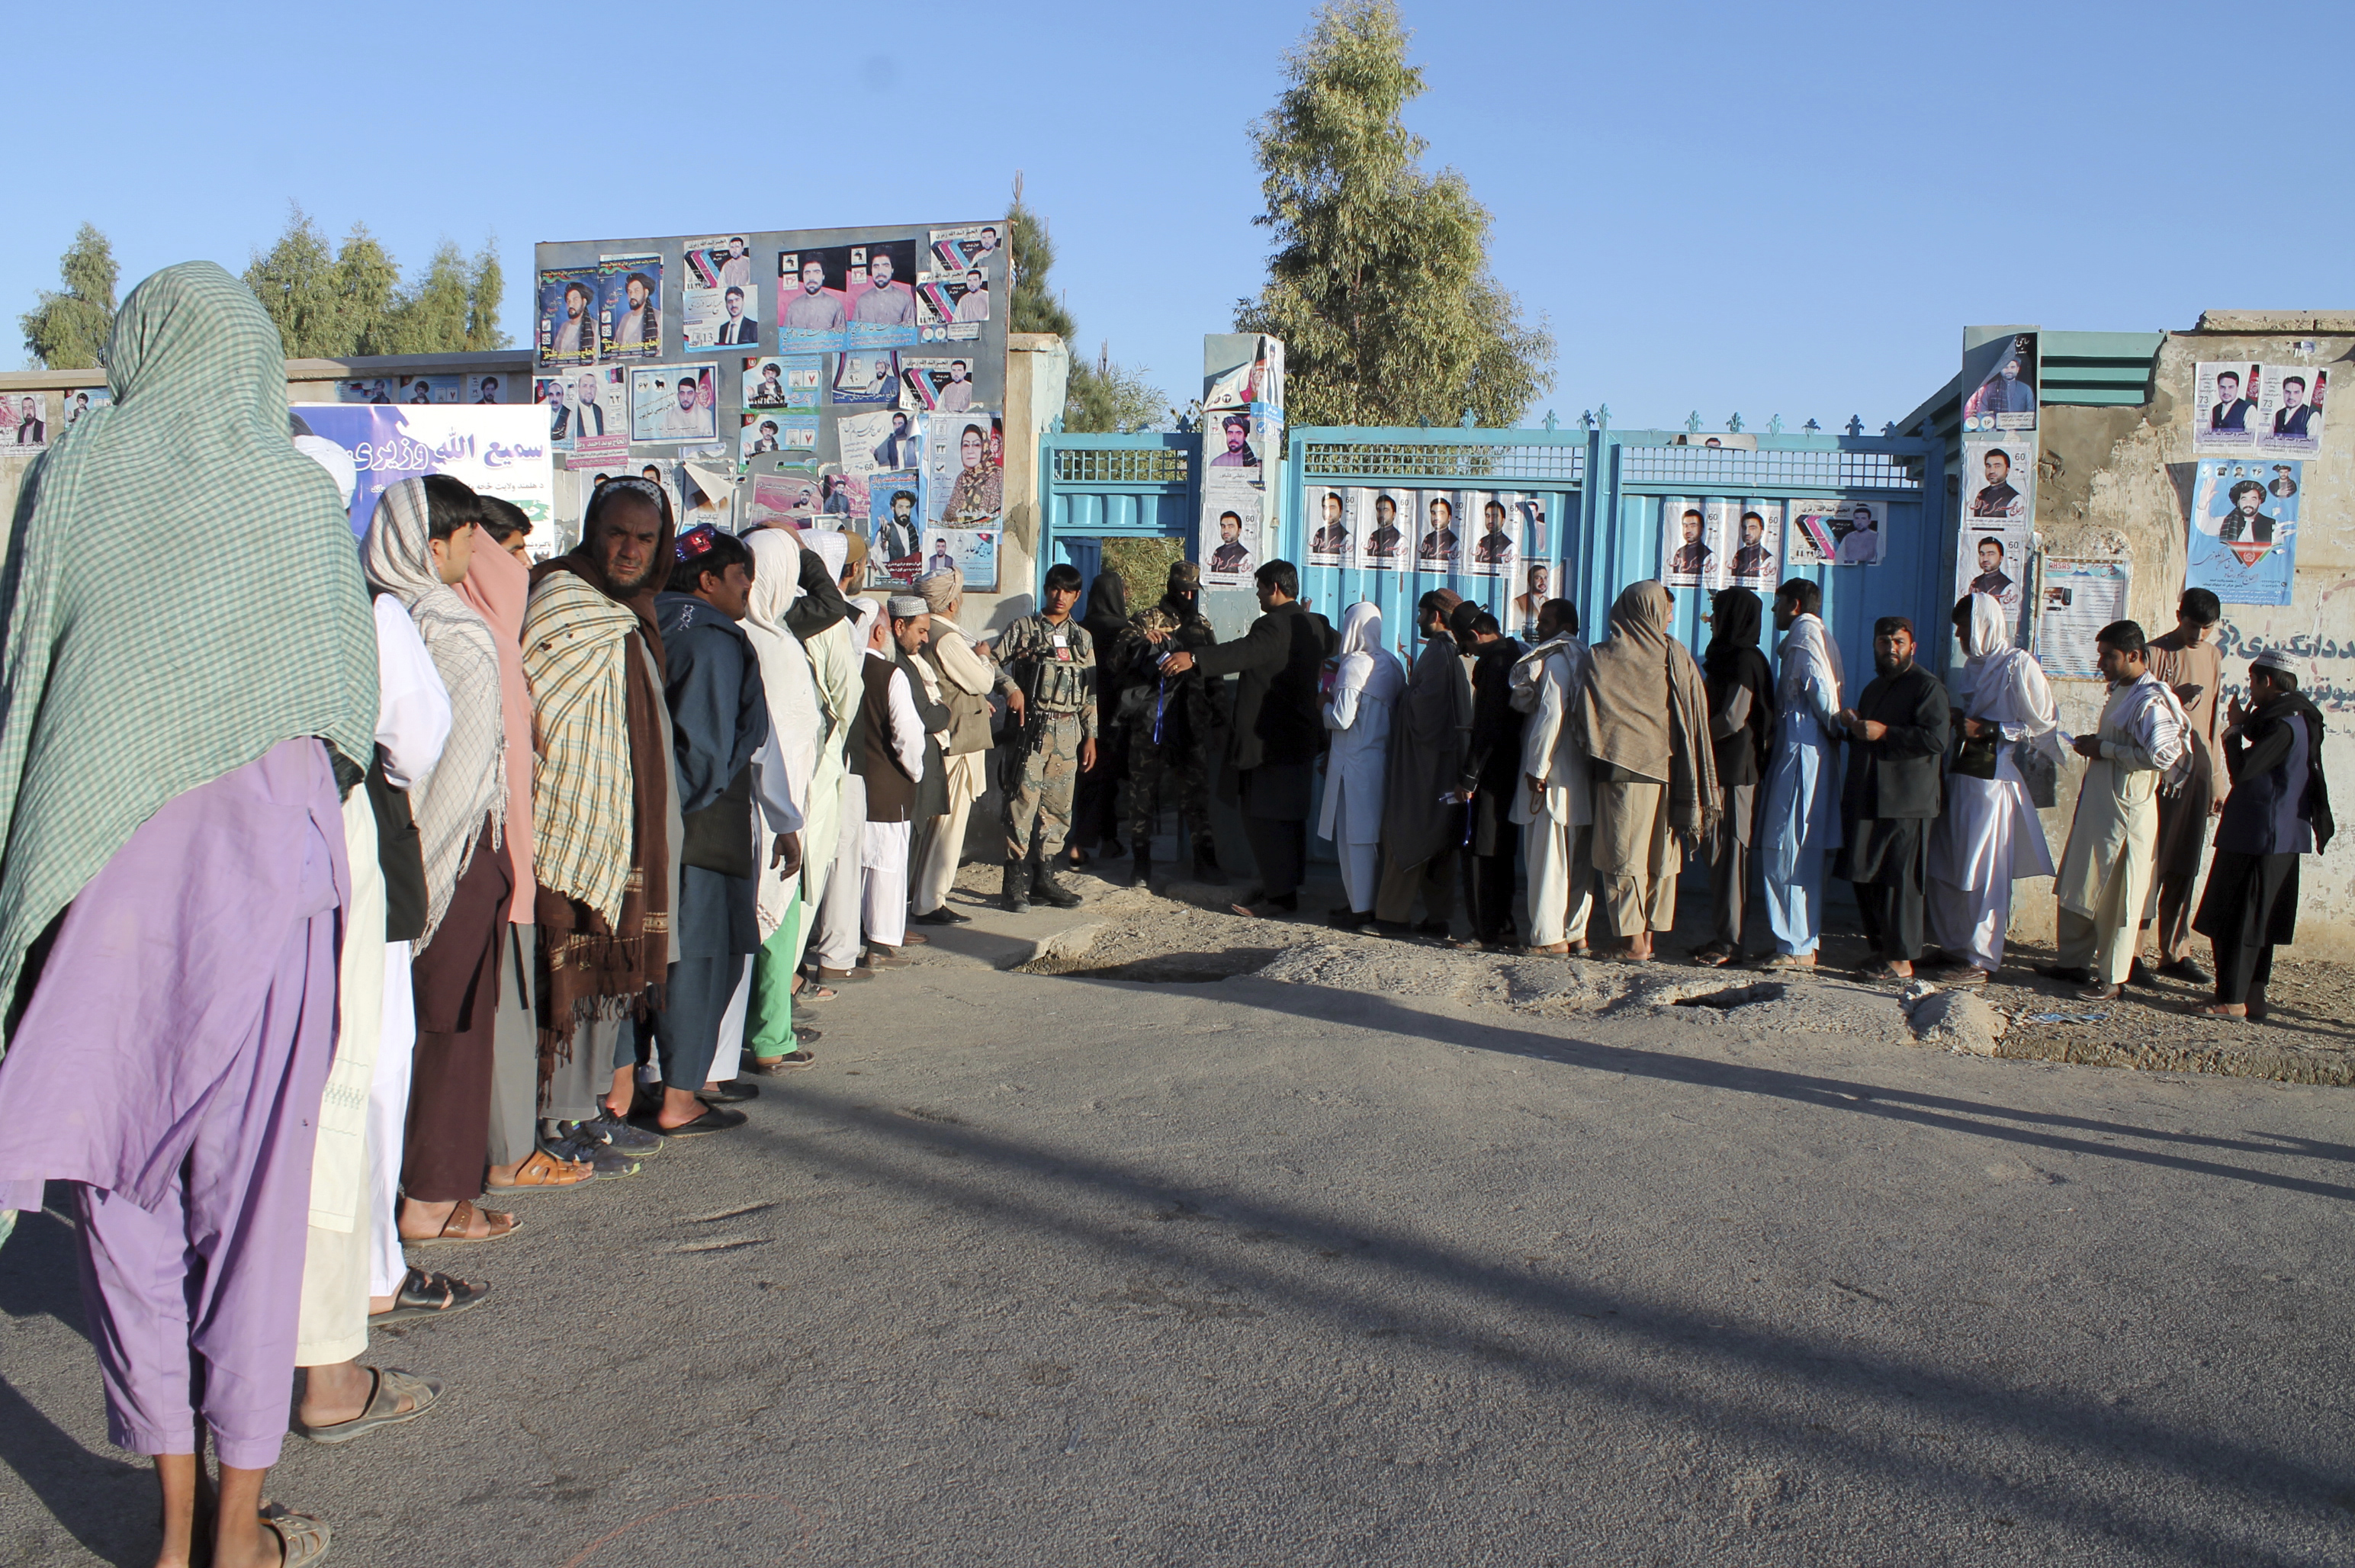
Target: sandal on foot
{"points": [[383, 1408], [1713, 956], [729, 1094], [1547, 950], [1885, 974], [778, 1066], [1788, 961], [2101, 993], [301, 1539], [715, 1119], [423, 1294], [543, 1172], [2218, 1010], [459, 1227]]}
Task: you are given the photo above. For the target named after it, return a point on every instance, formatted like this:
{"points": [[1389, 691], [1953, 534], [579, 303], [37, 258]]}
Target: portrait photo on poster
{"points": [[719, 302], [973, 551], [1383, 544], [674, 402], [570, 328], [895, 522], [631, 289], [1688, 556], [1992, 559], [2225, 417], [1331, 527], [2002, 375], [936, 383], [1533, 582], [880, 293], [813, 312], [867, 377], [1840, 533], [1998, 480], [965, 470], [761, 384], [2078, 598], [1496, 523], [24, 420], [1438, 542], [1228, 548], [765, 431], [1757, 536], [1230, 439], [2290, 399], [968, 245], [789, 496], [2243, 543], [583, 404], [878, 438], [73, 402], [954, 298]]}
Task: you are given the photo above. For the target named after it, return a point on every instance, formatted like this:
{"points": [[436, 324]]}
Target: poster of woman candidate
{"points": [[964, 469], [2244, 533]]}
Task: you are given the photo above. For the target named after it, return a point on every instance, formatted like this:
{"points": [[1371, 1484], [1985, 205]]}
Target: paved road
{"points": [[1052, 1270]]}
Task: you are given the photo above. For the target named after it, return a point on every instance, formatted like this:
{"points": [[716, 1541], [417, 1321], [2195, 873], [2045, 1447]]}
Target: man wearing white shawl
{"points": [[1990, 835], [2105, 872], [887, 752], [1366, 683], [837, 812], [786, 771], [967, 679], [1801, 821], [1555, 805]]}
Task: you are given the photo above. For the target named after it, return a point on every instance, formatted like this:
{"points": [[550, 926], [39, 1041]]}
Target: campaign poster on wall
{"points": [[1229, 545], [2243, 543], [1332, 528], [674, 403], [1998, 481], [1688, 556], [1757, 536], [1438, 536], [499, 450], [965, 467], [1383, 544], [630, 284], [2002, 375], [719, 303], [570, 327], [2291, 397], [583, 403], [2225, 413], [1495, 520], [895, 524], [973, 551], [1991, 558], [2080, 598], [1533, 583], [24, 420], [1839, 533]]}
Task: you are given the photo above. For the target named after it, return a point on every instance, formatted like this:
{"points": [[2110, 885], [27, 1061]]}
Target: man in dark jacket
{"points": [[2279, 808], [1897, 738], [719, 717], [1272, 747], [1496, 767], [1172, 721]]}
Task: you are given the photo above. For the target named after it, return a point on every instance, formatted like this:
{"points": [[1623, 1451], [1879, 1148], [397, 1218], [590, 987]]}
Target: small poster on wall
{"points": [[2080, 597], [1992, 559]]}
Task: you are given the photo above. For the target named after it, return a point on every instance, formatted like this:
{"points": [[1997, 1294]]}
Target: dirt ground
{"points": [[1183, 933]]}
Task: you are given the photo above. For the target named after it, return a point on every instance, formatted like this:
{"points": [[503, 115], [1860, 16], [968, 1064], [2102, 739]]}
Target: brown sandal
{"points": [[2218, 1010], [301, 1539], [459, 1227], [543, 1171]]}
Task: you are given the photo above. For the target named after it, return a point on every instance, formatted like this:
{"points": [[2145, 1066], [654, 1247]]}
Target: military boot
{"points": [[1046, 888], [1018, 886], [1206, 864], [1140, 868]]}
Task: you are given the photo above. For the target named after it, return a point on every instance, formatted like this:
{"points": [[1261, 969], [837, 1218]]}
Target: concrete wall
{"points": [[2118, 481]]}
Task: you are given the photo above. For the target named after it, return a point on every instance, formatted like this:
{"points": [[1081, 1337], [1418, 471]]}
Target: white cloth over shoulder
{"points": [[412, 715], [1541, 685], [1803, 785], [1365, 689], [1990, 833]]}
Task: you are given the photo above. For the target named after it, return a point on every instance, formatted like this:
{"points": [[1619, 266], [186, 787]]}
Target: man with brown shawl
{"points": [[1425, 786], [2187, 660], [1642, 716], [605, 823]]}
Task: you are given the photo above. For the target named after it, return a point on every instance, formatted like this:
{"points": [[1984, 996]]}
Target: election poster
{"points": [[1758, 535], [2080, 598], [1991, 558], [2225, 417], [630, 287], [935, 384], [1438, 541], [1841, 533], [880, 293], [766, 431], [71, 404], [964, 470], [482, 389], [2244, 533], [719, 307], [789, 496], [1496, 533], [895, 523], [762, 382], [24, 420], [583, 404], [497, 450], [2002, 375], [812, 316], [1998, 481], [973, 551], [968, 245], [674, 402], [2290, 397], [881, 439], [1228, 545], [1332, 528], [570, 331], [867, 377], [953, 304], [1255, 384], [1688, 553], [1533, 584], [1384, 546]]}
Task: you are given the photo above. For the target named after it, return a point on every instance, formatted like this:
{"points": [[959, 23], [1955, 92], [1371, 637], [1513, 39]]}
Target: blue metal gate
{"points": [[1097, 487]]}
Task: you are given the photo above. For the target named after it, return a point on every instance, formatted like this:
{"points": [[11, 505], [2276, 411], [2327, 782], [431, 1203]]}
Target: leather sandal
{"points": [[383, 1407], [779, 1066], [543, 1172], [424, 1294], [459, 1227], [301, 1539]]}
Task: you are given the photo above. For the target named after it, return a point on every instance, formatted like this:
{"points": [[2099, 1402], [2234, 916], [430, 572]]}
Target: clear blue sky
{"points": [[1788, 210]]}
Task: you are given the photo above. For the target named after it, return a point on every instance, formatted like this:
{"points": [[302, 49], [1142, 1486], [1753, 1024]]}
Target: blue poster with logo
{"points": [[497, 449], [2243, 544]]}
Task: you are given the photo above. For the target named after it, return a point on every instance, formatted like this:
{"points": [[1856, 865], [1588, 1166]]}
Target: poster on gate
{"points": [[1495, 545], [497, 449], [1758, 534], [1382, 545], [1332, 532]]}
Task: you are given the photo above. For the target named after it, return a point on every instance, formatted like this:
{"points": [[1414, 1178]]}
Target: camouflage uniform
{"points": [[1059, 694], [1171, 724]]}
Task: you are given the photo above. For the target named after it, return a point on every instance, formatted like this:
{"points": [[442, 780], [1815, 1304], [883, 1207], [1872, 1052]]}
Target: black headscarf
{"points": [[1731, 660], [1107, 615]]}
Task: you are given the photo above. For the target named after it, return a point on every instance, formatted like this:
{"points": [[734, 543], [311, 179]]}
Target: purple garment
{"points": [[171, 1061]]}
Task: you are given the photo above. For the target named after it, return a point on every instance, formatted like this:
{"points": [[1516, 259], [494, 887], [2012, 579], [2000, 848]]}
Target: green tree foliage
{"points": [[1104, 396], [349, 301], [68, 330], [1380, 284]]}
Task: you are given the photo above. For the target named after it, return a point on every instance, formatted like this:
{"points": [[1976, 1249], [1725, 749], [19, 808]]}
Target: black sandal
{"points": [[423, 1294]]}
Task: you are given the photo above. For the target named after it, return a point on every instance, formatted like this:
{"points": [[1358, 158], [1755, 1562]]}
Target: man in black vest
{"points": [[1271, 746], [1897, 738]]}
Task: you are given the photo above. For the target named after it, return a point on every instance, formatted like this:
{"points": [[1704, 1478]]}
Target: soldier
{"points": [[1047, 667], [1171, 720]]}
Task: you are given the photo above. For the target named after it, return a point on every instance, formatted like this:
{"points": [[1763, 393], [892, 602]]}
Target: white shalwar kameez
{"points": [[1557, 829], [2105, 872], [1801, 820], [1366, 687], [1990, 834]]}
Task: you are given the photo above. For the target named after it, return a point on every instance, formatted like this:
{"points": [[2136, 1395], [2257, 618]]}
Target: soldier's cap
{"points": [[1185, 577]]}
